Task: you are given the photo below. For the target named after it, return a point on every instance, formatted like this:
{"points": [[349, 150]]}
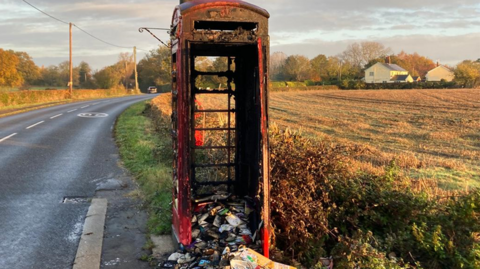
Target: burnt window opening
{"points": [[214, 63], [214, 74], [224, 133], [225, 25]]}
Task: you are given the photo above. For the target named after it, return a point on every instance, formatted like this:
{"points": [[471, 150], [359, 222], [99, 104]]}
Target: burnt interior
{"points": [[228, 157]]}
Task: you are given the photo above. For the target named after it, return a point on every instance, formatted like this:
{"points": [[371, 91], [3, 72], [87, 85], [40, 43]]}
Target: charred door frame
{"points": [[185, 16]]}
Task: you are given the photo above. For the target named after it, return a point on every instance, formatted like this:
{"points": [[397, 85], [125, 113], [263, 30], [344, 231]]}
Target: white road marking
{"points": [[33, 125], [56, 116], [71, 110], [93, 115], [85, 106], [7, 137]]}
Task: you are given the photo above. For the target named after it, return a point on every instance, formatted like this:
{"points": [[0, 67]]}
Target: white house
{"points": [[389, 73], [440, 72]]}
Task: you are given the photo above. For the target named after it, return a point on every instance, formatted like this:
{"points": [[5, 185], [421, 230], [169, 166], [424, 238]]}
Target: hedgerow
{"points": [[322, 208], [361, 85]]}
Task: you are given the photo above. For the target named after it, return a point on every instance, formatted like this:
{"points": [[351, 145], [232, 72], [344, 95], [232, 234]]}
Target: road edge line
{"points": [[89, 252]]}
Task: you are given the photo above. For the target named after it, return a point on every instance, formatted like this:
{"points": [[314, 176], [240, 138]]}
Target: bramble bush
{"points": [[322, 208]]}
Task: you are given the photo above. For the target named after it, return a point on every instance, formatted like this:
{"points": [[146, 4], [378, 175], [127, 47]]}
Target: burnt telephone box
{"points": [[221, 147]]}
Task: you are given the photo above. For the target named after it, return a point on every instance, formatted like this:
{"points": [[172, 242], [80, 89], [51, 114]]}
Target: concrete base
{"points": [[164, 245]]}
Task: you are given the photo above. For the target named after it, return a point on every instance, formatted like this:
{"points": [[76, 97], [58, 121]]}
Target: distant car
{"points": [[152, 89]]}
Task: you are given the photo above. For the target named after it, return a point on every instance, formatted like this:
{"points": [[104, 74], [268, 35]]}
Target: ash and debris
{"points": [[222, 237]]}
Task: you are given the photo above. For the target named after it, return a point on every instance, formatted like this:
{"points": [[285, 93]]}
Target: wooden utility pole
{"points": [[70, 84], [126, 81], [135, 62]]}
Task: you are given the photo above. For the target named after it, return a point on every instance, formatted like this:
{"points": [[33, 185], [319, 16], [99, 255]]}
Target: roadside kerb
{"points": [[89, 252]]}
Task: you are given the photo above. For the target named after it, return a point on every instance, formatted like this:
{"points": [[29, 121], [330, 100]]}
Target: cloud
{"points": [[446, 49], [286, 6], [335, 15], [439, 29], [116, 22]]}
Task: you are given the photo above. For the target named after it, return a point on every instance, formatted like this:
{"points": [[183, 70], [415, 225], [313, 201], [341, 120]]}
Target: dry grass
{"points": [[31, 97], [432, 134]]}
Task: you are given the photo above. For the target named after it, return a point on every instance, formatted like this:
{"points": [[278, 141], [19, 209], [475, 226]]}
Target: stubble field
{"points": [[433, 135]]}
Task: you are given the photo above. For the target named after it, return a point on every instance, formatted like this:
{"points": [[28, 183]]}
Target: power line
{"points": [[100, 39], [45, 13], [108, 43]]}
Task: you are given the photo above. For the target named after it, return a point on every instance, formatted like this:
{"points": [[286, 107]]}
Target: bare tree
{"points": [[277, 59], [359, 54], [353, 55], [125, 61]]}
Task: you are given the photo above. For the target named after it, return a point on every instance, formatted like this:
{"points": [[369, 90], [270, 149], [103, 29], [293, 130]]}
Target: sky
{"points": [[442, 30]]}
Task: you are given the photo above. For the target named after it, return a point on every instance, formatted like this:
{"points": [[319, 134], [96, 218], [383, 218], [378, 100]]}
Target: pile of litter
{"points": [[221, 237], [243, 258]]}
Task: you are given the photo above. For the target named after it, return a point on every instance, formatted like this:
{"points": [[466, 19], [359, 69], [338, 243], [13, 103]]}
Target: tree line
{"points": [[349, 66], [17, 69]]}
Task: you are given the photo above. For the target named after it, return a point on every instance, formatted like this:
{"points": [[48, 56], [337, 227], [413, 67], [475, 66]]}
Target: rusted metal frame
{"points": [[175, 174], [214, 129], [185, 138], [213, 91], [229, 153], [193, 110], [190, 6], [216, 110], [185, 8], [213, 147], [182, 211], [214, 165], [227, 74], [174, 120], [229, 181], [213, 183], [265, 157], [146, 29]]}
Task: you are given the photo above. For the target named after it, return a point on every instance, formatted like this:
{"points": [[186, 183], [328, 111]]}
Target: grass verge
{"points": [[143, 154]]}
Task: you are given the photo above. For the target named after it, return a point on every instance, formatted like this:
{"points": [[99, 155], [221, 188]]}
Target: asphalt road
{"points": [[47, 155]]}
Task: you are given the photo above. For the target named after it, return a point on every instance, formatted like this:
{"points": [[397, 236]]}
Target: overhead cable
{"points": [[108, 43], [99, 38], [45, 13]]}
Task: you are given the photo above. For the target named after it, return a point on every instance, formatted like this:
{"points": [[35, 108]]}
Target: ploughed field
{"points": [[432, 135]]}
